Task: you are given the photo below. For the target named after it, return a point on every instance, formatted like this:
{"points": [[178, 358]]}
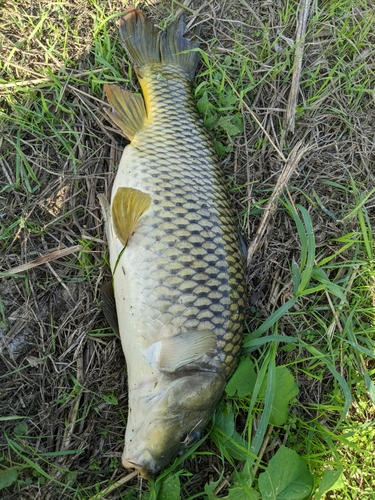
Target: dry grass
{"points": [[59, 361]]}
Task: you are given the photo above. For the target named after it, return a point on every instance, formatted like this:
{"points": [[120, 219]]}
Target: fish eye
{"points": [[189, 439], [193, 438]]}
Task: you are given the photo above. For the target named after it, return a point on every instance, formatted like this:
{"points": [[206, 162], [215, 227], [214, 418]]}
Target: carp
{"points": [[178, 272]]}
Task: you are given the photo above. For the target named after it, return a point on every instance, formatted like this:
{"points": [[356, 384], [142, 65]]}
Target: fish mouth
{"points": [[144, 473], [144, 464]]}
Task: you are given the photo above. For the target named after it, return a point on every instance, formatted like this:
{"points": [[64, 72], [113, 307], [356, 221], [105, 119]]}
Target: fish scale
{"points": [[178, 273], [204, 232]]}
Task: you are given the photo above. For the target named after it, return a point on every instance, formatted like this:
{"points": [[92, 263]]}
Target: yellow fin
{"points": [[128, 111], [183, 349], [127, 207]]}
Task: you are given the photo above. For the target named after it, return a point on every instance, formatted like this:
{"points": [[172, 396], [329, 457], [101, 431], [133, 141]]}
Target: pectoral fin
{"points": [[183, 349], [127, 207], [109, 306], [128, 111]]}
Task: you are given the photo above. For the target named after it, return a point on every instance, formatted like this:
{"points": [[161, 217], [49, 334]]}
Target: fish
{"points": [[177, 295]]}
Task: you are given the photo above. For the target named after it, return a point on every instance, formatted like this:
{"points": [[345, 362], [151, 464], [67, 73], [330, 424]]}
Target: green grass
{"points": [[303, 398]]}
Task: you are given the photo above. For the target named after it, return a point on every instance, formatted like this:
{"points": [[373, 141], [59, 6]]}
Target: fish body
{"points": [[178, 271]]}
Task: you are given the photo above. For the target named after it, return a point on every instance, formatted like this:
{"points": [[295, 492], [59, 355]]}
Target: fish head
{"points": [[174, 420]]}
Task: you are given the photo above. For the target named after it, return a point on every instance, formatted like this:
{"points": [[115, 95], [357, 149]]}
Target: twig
{"points": [[100, 495], [262, 128], [290, 166], [227, 480], [304, 9], [262, 449], [224, 482], [241, 98], [44, 79], [182, 7], [253, 13], [72, 418], [56, 254]]}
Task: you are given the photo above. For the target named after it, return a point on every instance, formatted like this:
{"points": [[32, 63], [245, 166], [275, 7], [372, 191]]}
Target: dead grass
{"points": [[59, 362]]}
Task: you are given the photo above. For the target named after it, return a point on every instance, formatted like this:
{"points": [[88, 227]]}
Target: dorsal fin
{"points": [[127, 207], [128, 111]]}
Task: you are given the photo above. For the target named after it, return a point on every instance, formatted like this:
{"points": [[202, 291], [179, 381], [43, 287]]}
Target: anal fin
{"points": [[109, 306], [128, 111]]}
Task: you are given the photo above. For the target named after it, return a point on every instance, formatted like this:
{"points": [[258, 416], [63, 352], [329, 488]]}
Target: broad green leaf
{"points": [[331, 480], [224, 420], [286, 389], [243, 379], [170, 489], [110, 399], [311, 290], [204, 104], [364, 350], [336, 291], [286, 477], [9, 476], [219, 148], [230, 125], [210, 120], [238, 493], [235, 445], [209, 489], [21, 429]]}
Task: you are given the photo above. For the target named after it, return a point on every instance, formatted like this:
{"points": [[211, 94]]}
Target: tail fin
{"points": [[145, 44]]}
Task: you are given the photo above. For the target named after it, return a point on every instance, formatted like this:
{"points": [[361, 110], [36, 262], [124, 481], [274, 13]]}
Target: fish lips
{"points": [[188, 406], [147, 464]]}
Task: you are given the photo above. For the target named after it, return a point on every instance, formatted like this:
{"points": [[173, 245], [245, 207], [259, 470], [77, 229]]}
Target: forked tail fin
{"points": [[145, 44]]}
